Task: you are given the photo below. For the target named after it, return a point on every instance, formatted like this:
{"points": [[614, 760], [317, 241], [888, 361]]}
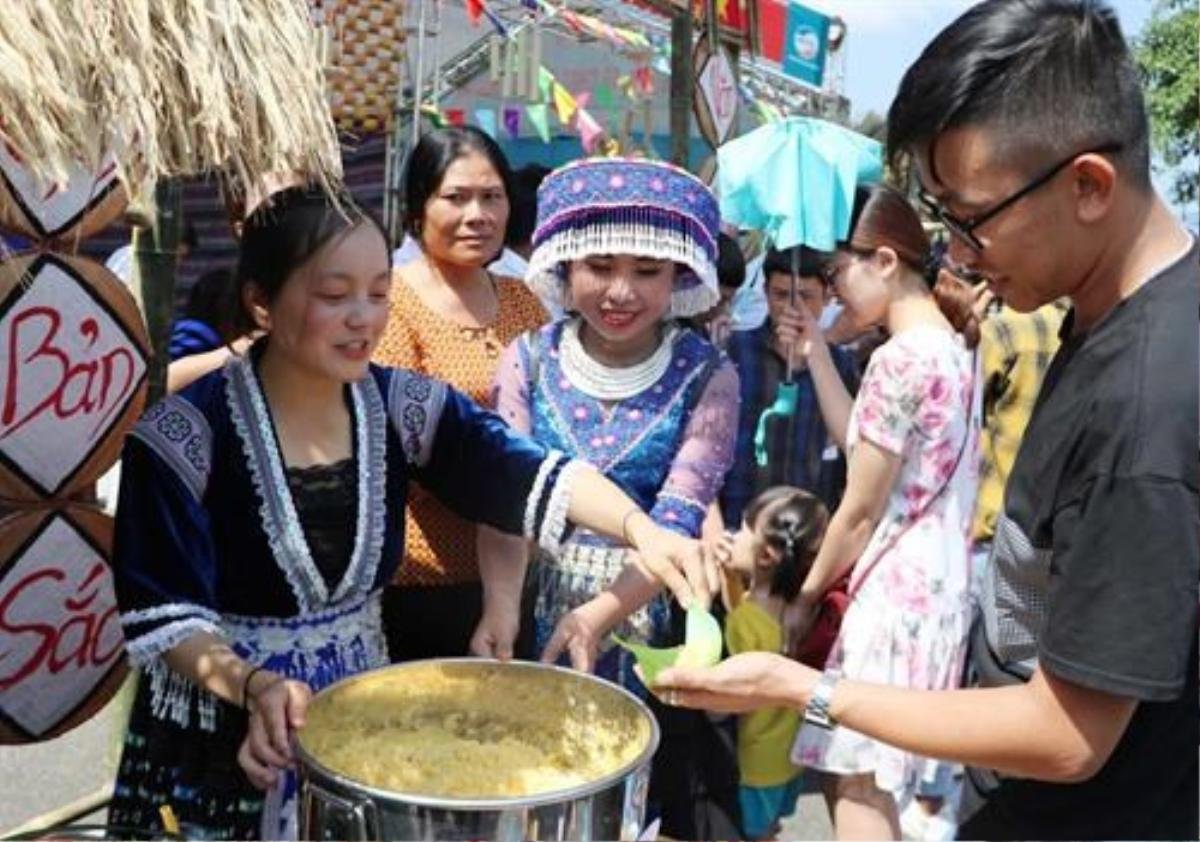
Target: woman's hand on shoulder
{"points": [[277, 707]]}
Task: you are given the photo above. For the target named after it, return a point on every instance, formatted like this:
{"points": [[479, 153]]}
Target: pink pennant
{"points": [[590, 131]]}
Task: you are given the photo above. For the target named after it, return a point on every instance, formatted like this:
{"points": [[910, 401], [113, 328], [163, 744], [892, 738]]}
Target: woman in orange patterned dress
{"points": [[450, 319]]}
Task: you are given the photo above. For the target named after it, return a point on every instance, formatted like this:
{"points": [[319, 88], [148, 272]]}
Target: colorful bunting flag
{"points": [[485, 118], [456, 117], [589, 131], [512, 122], [604, 97], [644, 80], [539, 115], [545, 83], [564, 104]]}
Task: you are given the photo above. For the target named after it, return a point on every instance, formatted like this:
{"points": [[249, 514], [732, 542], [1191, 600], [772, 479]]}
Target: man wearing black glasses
{"points": [[1026, 121], [1028, 129]]}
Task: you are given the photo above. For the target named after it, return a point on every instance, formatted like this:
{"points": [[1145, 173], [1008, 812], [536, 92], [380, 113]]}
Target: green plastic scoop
{"points": [[701, 648]]}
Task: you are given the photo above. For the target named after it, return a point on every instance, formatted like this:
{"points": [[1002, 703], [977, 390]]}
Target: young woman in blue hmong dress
{"points": [[261, 509], [626, 247]]}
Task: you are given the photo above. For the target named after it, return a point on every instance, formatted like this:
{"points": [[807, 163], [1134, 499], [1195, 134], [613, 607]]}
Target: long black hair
{"points": [[283, 234], [793, 525]]}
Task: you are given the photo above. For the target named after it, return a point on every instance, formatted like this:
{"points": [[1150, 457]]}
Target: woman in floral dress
{"points": [[903, 527]]}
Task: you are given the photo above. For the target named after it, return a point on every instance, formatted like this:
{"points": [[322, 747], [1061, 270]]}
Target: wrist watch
{"points": [[816, 712]]}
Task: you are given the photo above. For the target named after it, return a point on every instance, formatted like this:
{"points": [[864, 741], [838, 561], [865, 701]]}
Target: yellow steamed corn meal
{"points": [[472, 731]]}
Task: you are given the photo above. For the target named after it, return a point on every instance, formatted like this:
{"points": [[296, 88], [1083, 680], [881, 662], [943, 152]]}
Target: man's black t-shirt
{"points": [[1095, 569]]}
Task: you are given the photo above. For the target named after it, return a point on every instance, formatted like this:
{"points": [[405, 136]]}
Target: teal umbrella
{"points": [[794, 180]]}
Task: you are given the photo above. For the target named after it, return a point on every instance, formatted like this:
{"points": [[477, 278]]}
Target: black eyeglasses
{"points": [[964, 229]]}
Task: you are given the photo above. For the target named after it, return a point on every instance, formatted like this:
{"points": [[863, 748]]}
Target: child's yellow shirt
{"points": [[764, 737]]}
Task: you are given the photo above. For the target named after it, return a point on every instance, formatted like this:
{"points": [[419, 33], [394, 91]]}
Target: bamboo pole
{"points": [[681, 85], [155, 252]]}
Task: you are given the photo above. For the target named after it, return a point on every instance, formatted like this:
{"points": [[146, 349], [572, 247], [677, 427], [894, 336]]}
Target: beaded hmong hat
{"points": [[627, 206]]}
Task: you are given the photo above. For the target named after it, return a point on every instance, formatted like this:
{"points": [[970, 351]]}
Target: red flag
{"points": [[456, 117], [475, 10], [644, 80]]}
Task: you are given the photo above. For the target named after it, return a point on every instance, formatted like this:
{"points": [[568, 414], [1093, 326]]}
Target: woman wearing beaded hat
{"points": [[627, 247]]}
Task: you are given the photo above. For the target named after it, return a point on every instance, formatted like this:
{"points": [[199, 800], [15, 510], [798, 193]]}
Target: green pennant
{"points": [[545, 83], [539, 115], [603, 98]]}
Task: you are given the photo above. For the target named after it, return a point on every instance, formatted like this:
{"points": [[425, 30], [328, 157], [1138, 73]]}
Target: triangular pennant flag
{"points": [[456, 117], [545, 83], [564, 104], [644, 80], [539, 116], [573, 20], [485, 118], [589, 131], [583, 99], [604, 97], [512, 122], [474, 11]]}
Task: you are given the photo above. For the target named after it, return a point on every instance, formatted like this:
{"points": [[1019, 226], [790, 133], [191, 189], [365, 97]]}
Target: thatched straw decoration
{"points": [[233, 87]]}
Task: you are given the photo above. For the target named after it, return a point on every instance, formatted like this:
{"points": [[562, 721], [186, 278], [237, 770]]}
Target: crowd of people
{"points": [[431, 457]]}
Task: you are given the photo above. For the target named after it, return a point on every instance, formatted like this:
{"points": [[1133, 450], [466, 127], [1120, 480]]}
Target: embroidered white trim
{"points": [[415, 405], [309, 636], [682, 499], [280, 521], [180, 435], [147, 647], [169, 609], [612, 384], [538, 490], [602, 564], [370, 420], [317, 648], [172, 694], [554, 522], [256, 435], [625, 238]]}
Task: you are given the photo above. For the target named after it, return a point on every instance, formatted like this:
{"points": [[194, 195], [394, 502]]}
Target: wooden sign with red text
{"points": [[84, 204], [61, 647], [73, 362]]}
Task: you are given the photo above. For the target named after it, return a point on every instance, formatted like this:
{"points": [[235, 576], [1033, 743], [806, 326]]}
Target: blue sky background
{"points": [[884, 37]]}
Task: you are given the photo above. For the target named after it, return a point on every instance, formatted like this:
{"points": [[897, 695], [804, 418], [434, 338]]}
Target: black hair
{"points": [[811, 262], [731, 263], [522, 204], [794, 527], [210, 301], [283, 234], [433, 155], [1048, 77]]}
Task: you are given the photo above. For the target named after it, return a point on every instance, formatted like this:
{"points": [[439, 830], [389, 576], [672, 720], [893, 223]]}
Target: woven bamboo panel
{"points": [[366, 41]]}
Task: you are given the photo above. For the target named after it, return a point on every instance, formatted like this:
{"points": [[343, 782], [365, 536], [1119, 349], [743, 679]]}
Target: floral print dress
{"points": [[908, 623]]}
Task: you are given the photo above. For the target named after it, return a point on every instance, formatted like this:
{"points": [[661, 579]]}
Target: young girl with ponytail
{"points": [[780, 535]]}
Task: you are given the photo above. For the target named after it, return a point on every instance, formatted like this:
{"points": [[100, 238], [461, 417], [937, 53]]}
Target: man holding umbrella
{"points": [[799, 448]]}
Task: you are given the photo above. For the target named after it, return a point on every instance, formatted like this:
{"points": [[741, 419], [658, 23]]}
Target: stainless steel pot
{"points": [[334, 806]]}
